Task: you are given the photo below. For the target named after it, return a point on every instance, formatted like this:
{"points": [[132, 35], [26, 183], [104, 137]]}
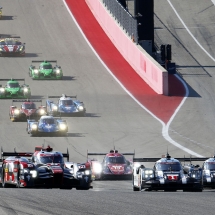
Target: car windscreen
{"points": [[49, 121], [48, 66], [115, 160], [165, 166], [210, 165], [13, 85], [51, 159], [29, 106], [12, 42], [67, 102]]}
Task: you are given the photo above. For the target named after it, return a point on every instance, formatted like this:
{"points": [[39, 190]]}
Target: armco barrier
{"points": [[147, 68]]}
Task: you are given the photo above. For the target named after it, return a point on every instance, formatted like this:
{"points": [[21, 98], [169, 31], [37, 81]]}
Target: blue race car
{"points": [[47, 125], [65, 106]]}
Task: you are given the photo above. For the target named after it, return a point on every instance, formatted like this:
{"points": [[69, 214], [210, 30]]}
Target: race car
{"points": [[1, 12], [65, 106], [113, 166], [46, 168], [28, 110], [45, 70], [209, 172], [167, 174], [65, 174], [13, 89], [11, 46], [47, 125]]}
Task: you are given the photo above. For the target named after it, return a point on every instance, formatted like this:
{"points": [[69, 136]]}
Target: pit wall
{"points": [[144, 65]]}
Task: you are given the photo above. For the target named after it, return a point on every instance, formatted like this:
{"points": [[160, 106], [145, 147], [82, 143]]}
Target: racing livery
{"points": [[65, 106], [167, 174], [47, 125], [46, 168], [45, 70], [209, 173], [28, 110], [13, 89], [113, 166], [11, 46]]}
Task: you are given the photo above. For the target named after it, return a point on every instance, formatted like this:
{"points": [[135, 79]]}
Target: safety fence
{"points": [[123, 17]]}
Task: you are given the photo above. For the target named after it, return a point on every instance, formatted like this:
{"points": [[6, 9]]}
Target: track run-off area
{"points": [[119, 112]]}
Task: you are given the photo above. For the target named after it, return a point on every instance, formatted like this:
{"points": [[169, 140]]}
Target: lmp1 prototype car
{"points": [[113, 166], [65, 105], [167, 174], [11, 46], [45, 70], [46, 168], [47, 125], [14, 90], [28, 110]]}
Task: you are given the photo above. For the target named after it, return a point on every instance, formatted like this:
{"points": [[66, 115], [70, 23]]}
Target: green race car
{"points": [[45, 70], [14, 90]]}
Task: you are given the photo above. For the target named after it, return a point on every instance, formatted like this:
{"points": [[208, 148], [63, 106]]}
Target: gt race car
{"points": [[13, 89], [47, 125], [209, 172], [168, 174], [65, 106], [45, 70], [46, 168], [28, 110], [113, 166], [11, 46]]}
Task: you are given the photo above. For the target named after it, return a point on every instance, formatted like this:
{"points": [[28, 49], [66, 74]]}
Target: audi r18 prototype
{"points": [[113, 166], [65, 106], [13, 89], [45, 70], [46, 168], [47, 125], [11, 46], [167, 174], [28, 110]]}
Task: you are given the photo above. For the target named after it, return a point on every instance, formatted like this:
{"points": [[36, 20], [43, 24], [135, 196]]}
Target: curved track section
{"points": [[113, 118]]}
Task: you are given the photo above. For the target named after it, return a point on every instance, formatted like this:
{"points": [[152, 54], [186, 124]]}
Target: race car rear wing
{"points": [[62, 96], [27, 100], [9, 36], [18, 154], [41, 61], [10, 79], [180, 159]]}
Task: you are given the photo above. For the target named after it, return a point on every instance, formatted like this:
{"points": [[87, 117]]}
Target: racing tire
{"points": [[136, 188], [4, 185]]}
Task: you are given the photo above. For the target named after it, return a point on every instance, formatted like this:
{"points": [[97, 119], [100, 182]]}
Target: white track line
{"points": [[190, 31], [165, 129], [213, 1]]}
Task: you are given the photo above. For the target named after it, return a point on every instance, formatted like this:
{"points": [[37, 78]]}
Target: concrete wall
{"points": [[147, 68]]}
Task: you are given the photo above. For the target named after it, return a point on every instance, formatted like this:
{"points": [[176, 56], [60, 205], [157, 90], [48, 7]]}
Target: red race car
{"points": [[113, 166], [27, 110]]}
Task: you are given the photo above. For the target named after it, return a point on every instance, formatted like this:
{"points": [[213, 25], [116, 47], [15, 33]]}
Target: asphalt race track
{"points": [[113, 118]]}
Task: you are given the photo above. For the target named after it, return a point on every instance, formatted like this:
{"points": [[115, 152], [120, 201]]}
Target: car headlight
{"points": [[97, 168], [1, 48], [62, 126], [25, 89], [16, 111], [33, 173], [2, 90], [25, 171], [80, 108], [42, 111], [87, 172], [55, 108], [20, 49], [36, 71], [57, 71], [34, 126]]}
